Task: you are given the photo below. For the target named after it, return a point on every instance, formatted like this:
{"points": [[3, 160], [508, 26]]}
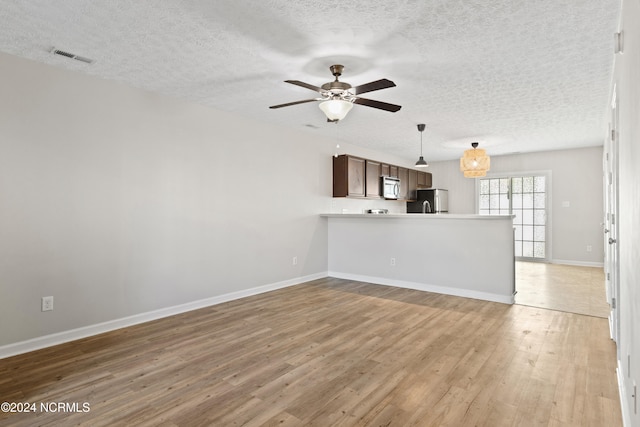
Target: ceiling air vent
{"points": [[71, 56]]}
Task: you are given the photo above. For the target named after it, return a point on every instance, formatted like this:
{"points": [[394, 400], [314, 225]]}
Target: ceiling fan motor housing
{"points": [[336, 86]]}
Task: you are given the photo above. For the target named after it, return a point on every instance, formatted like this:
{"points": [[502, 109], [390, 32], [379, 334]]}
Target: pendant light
{"points": [[475, 162], [421, 163]]}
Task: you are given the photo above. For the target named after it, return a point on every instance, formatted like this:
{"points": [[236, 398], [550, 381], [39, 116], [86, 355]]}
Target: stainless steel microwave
{"points": [[390, 187]]}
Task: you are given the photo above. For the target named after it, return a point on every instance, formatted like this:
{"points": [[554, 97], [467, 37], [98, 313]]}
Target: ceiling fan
{"points": [[337, 97]]}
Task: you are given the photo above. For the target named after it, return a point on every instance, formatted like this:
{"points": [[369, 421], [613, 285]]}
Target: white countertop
{"points": [[418, 216]]}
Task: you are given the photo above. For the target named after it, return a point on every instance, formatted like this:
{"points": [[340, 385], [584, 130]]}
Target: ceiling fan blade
{"points": [[377, 104], [370, 87], [305, 85], [293, 103]]}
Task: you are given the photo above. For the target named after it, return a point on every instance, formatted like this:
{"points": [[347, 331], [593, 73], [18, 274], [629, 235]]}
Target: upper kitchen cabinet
{"points": [[357, 177], [348, 176], [403, 175], [413, 185], [373, 171], [424, 179]]}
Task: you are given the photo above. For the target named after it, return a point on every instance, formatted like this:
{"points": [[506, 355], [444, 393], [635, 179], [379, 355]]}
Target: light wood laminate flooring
{"points": [[574, 289], [330, 353]]}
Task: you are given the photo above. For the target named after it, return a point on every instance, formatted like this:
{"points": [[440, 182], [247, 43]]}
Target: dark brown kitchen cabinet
{"points": [[357, 177], [348, 176], [424, 180], [413, 184], [403, 174], [373, 173]]}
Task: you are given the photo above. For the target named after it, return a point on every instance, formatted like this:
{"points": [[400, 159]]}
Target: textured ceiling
{"points": [[515, 75]]}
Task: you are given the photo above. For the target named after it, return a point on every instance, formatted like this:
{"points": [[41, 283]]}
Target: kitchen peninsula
{"points": [[465, 255]]}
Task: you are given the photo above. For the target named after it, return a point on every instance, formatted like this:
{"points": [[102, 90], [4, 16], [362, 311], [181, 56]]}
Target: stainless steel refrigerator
{"points": [[430, 200]]}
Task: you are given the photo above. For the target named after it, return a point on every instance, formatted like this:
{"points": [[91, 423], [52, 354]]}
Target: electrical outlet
{"points": [[589, 248], [393, 262], [47, 303], [294, 261]]}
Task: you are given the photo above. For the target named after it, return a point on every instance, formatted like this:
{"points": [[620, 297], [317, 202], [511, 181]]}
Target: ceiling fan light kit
{"points": [[335, 109], [475, 162], [421, 163], [338, 97]]}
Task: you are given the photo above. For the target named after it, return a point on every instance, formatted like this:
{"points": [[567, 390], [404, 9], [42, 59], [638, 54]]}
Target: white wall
{"points": [[576, 177], [117, 201], [627, 70]]}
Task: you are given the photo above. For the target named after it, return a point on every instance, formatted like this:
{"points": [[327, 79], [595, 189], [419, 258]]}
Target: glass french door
{"points": [[526, 198]]}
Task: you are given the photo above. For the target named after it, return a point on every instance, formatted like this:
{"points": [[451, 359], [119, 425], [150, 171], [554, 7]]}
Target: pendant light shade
{"points": [[335, 109], [475, 162], [421, 163]]}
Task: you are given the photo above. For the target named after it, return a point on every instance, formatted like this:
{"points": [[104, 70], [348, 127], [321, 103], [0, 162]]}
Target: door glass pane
{"points": [[504, 201], [494, 202], [494, 186], [527, 249], [539, 217], [518, 218], [504, 185], [516, 201], [538, 250], [484, 201], [538, 200], [518, 232], [539, 184], [516, 184]]}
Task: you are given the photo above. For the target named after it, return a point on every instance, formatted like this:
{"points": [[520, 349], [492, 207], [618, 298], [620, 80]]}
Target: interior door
{"points": [[612, 268]]}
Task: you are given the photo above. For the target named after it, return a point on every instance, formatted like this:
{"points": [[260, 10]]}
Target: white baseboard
{"points": [[467, 293], [87, 331], [577, 263]]}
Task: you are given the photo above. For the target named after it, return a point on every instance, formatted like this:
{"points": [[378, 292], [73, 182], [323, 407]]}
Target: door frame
{"points": [[611, 218]]}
